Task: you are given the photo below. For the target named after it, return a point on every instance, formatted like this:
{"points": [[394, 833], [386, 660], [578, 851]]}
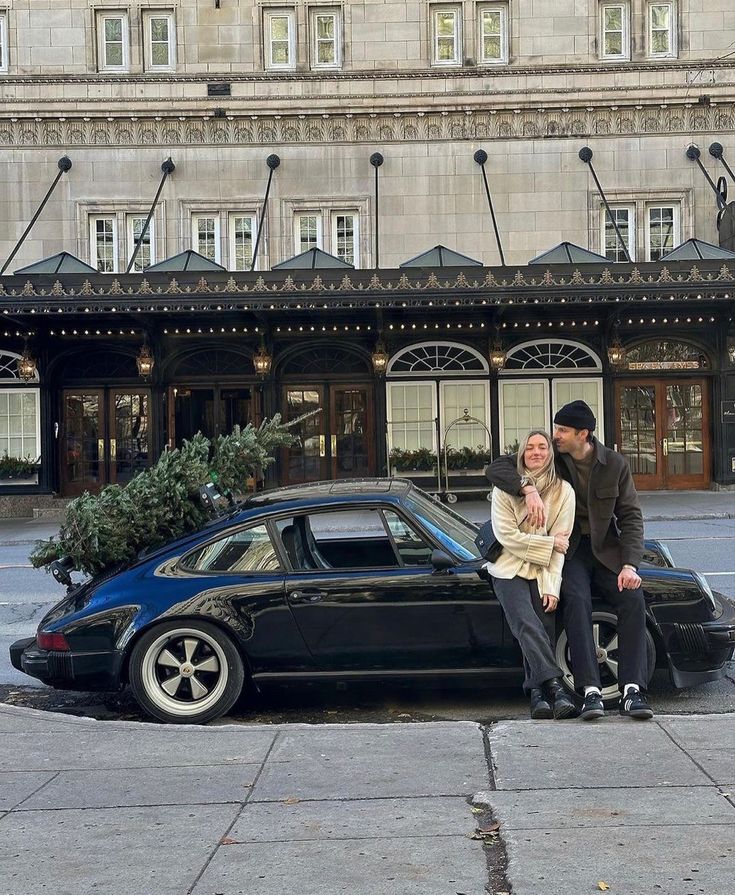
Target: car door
{"points": [[371, 601]]}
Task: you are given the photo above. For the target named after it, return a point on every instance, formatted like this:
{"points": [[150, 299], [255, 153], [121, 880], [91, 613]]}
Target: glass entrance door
{"points": [[212, 410], [105, 437], [662, 428], [337, 441]]}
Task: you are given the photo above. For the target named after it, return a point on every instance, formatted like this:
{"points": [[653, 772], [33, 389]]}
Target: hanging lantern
{"points": [[145, 361], [497, 356], [262, 360], [27, 367], [616, 353], [380, 358]]}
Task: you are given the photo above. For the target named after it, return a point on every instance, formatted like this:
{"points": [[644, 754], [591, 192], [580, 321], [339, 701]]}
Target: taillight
{"points": [[52, 641]]}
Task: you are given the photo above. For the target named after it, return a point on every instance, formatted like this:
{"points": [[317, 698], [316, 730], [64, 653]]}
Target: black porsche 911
{"points": [[360, 580]]}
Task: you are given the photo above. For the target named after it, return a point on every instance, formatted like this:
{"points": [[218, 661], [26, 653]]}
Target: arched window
{"points": [[438, 359], [20, 418], [539, 377], [666, 354]]}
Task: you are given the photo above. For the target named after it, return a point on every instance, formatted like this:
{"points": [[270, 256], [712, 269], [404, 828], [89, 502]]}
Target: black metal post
{"points": [[376, 160], [716, 151], [168, 167], [720, 191], [585, 155], [64, 164], [481, 157], [273, 161]]}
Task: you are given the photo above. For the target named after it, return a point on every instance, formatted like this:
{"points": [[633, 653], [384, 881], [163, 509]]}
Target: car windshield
{"points": [[454, 532]]}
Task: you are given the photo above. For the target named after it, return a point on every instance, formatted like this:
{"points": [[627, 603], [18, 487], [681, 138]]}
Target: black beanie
{"points": [[576, 414]]}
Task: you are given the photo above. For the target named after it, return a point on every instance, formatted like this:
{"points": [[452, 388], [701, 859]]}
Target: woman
{"points": [[527, 575]]}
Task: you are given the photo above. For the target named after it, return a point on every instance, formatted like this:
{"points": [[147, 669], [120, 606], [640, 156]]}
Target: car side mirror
{"points": [[441, 562]]}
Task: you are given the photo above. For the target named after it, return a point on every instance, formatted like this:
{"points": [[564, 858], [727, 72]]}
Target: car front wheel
{"points": [[186, 672], [605, 634]]}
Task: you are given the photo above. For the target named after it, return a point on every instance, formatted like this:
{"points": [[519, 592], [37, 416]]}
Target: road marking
{"points": [[27, 566], [718, 573]]}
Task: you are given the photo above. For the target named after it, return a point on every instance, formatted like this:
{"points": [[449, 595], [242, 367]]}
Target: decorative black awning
{"points": [[441, 256], [64, 262], [694, 249], [569, 253], [313, 259], [188, 260]]}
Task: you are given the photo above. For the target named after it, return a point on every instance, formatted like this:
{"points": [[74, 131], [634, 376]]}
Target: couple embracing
{"points": [[567, 515]]}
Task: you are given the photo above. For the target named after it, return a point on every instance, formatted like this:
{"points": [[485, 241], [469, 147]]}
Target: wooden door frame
{"points": [[112, 390], [67, 489], [216, 387], [663, 478], [371, 446], [323, 389]]}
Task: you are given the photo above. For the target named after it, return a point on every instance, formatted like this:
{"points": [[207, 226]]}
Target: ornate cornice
{"points": [[366, 289], [422, 127]]}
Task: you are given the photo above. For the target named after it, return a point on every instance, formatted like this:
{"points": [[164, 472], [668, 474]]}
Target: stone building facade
{"points": [[221, 85]]}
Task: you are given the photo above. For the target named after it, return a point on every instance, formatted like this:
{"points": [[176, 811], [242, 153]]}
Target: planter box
{"points": [[20, 480]]}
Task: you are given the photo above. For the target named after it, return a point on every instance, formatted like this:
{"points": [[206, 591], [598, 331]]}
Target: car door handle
{"points": [[307, 596]]}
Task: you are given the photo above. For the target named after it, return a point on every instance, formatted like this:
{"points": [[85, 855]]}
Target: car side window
{"points": [[246, 550], [344, 539], [412, 548]]}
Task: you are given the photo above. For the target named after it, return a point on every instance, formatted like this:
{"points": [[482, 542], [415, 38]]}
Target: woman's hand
{"points": [[561, 541], [534, 507], [550, 602]]}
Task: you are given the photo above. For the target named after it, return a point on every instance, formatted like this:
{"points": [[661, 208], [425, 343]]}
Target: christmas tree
{"points": [[161, 503]]}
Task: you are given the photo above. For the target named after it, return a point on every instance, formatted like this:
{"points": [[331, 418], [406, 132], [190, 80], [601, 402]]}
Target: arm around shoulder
{"points": [[502, 473]]}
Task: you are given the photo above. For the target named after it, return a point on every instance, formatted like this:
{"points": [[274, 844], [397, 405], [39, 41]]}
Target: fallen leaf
{"points": [[291, 801], [225, 840], [477, 810], [493, 828], [602, 886]]}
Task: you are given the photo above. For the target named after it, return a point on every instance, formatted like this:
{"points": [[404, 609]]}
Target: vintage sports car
{"points": [[362, 580]]}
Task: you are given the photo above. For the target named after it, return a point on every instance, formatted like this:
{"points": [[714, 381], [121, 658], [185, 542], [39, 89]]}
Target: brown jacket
{"points": [[616, 521]]}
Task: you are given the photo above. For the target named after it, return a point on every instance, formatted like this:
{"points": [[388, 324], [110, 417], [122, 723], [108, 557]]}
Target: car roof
{"points": [[329, 491]]}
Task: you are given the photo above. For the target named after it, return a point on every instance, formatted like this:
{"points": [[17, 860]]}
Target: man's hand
{"points": [[561, 541], [550, 602], [628, 579], [534, 506]]}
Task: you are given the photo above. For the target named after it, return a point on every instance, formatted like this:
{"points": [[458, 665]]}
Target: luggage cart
{"points": [[451, 495]]}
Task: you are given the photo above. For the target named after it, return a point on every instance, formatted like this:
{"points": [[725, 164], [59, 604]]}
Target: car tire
{"points": [[605, 627], [186, 672]]}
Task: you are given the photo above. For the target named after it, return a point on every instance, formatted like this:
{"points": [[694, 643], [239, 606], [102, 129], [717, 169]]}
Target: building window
{"points": [[103, 242], [493, 34], [242, 230], [160, 41], [412, 413], [19, 423], [447, 36], [624, 216], [661, 30], [3, 42], [205, 235], [345, 240], [113, 41], [326, 29], [146, 253], [615, 30], [662, 230], [308, 232], [280, 39]]}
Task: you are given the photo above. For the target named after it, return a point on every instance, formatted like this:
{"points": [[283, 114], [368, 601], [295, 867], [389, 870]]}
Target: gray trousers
{"points": [[534, 629]]}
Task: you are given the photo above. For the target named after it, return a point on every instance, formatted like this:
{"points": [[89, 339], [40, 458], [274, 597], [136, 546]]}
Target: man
{"points": [[606, 546]]}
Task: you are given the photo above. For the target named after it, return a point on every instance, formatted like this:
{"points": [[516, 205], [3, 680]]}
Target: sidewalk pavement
{"points": [[144, 809]]}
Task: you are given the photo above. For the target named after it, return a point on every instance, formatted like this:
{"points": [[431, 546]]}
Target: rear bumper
{"points": [[699, 653], [67, 670]]}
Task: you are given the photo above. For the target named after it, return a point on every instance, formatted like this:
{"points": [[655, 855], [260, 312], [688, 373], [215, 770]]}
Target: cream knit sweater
{"points": [[529, 553]]}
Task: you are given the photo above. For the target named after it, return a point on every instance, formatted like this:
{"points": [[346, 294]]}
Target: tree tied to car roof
{"points": [[162, 502]]}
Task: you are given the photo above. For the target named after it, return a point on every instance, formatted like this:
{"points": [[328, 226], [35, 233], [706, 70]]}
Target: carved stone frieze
{"points": [[511, 124]]}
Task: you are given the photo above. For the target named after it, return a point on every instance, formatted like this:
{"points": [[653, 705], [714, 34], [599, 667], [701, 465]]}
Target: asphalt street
{"points": [[705, 544]]}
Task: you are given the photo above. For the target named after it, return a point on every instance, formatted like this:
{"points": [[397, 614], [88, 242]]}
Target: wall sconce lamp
{"points": [[27, 366], [262, 360], [380, 358], [145, 360]]}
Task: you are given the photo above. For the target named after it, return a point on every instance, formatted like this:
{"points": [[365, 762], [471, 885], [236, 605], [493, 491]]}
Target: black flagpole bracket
{"points": [[273, 161], [167, 168], [585, 155], [481, 157]]}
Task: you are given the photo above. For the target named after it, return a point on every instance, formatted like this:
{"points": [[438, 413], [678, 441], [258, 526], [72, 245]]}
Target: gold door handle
{"points": [[665, 445], [322, 446], [100, 448], [334, 445], [113, 449]]}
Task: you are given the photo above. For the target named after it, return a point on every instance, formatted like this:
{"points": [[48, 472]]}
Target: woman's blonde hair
{"points": [[545, 478]]}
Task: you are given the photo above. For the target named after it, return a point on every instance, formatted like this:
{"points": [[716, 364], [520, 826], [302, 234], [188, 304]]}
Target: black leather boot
{"points": [[563, 706], [540, 706]]}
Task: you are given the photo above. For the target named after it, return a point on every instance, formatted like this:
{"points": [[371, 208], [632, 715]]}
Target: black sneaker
{"points": [[592, 707], [634, 705]]}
